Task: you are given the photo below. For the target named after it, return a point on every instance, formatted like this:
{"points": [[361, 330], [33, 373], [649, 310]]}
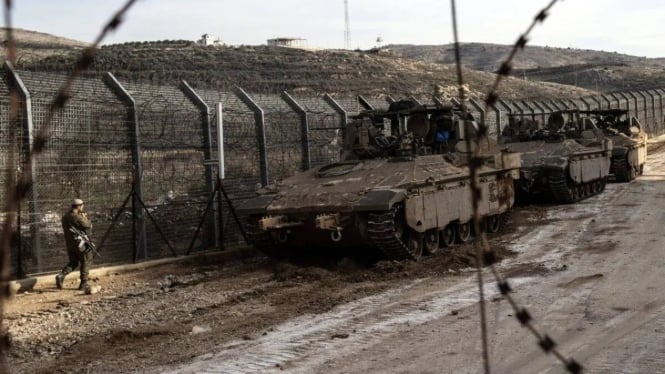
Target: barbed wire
{"points": [[485, 254], [18, 190], [475, 193]]}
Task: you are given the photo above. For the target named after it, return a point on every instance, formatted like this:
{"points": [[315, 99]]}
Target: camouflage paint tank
{"points": [[402, 188], [629, 139], [569, 160]]}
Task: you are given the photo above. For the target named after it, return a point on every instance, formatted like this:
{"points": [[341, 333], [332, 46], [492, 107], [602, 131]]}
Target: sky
{"points": [[633, 27]]}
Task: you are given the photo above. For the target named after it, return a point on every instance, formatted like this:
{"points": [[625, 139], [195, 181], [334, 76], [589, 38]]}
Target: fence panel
{"points": [[242, 164], [174, 186], [88, 156], [325, 130], [283, 136]]}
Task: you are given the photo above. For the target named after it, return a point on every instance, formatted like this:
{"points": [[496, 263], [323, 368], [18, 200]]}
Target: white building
{"points": [[208, 39], [288, 42]]}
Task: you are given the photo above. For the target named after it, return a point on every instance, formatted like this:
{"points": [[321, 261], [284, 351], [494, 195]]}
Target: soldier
{"points": [[76, 250]]}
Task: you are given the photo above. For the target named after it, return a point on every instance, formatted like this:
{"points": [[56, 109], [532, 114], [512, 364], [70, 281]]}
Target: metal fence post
{"points": [[637, 106], [623, 94], [542, 111], [479, 108], [549, 107], [26, 146], [607, 100], [557, 104], [530, 109], [616, 99], [653, 108], [497, 114], [339, 110], [574, 104], [509, 109], [260, 122], [304, 128], [516, 105], [641, 94], [135, 135], [661, 118], [193, 96], [586, 102], [364, 103]]}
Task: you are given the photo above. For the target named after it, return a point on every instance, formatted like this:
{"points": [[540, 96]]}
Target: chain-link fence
{"points": [[145, 158]]}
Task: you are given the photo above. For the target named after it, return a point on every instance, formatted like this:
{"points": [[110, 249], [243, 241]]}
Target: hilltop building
{"points": [[288, 42], [208, 39]]}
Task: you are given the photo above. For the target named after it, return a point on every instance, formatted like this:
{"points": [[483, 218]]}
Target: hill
{"points": [[34, 46], [596, 70], [268, 69], [488, 57]]}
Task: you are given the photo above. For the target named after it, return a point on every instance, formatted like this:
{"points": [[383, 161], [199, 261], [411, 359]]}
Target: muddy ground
{"points": [[580, 269], [153, 317]]}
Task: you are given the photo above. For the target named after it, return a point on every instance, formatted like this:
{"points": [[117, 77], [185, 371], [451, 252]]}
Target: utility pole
{"points": [[347, 28]]}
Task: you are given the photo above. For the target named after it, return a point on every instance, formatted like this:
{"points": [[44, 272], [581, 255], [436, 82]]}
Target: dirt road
{"points": [[590, 273]]}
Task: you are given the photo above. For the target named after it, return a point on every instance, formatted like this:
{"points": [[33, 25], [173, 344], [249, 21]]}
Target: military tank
{"points": [[402, 187], [568, 159], [629, 139]]}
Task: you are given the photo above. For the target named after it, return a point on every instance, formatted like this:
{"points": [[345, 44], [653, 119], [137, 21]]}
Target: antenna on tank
{"points": [[347, 28]]}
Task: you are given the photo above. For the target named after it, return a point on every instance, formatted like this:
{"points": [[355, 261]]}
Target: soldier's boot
{"points": [[60, 280], [84, 285]]}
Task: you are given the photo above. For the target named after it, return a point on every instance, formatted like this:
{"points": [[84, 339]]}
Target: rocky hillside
{"points": [[263, 69], [595, 70], [34, 46]]}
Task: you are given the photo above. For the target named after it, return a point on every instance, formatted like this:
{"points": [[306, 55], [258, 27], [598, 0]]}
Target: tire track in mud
{"points": [[306, 342], [621, 326], [635, 344]]}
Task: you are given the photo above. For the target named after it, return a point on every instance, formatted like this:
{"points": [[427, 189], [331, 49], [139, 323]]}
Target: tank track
{"points": [[564, 193], [381, 232], [622, 170]]}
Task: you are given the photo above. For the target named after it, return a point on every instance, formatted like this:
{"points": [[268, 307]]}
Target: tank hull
{"points": [[400, 208], [628, 157], [567, 171]]}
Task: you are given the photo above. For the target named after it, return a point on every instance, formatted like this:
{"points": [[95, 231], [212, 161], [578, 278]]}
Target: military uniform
{"points": [[77, 257]]}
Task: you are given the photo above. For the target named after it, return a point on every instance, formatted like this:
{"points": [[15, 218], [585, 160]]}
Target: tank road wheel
{"points": [[448, 235], [463, 232], [493, 223], [416, 244], [431, 240]]}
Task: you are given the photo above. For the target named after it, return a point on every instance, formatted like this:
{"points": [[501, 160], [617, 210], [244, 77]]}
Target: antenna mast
{"points": [[347, 28]]}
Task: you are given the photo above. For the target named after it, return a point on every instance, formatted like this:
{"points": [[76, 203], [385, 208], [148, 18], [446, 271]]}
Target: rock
{"points": [[340, 336], [200, 329], [91, 290]]}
